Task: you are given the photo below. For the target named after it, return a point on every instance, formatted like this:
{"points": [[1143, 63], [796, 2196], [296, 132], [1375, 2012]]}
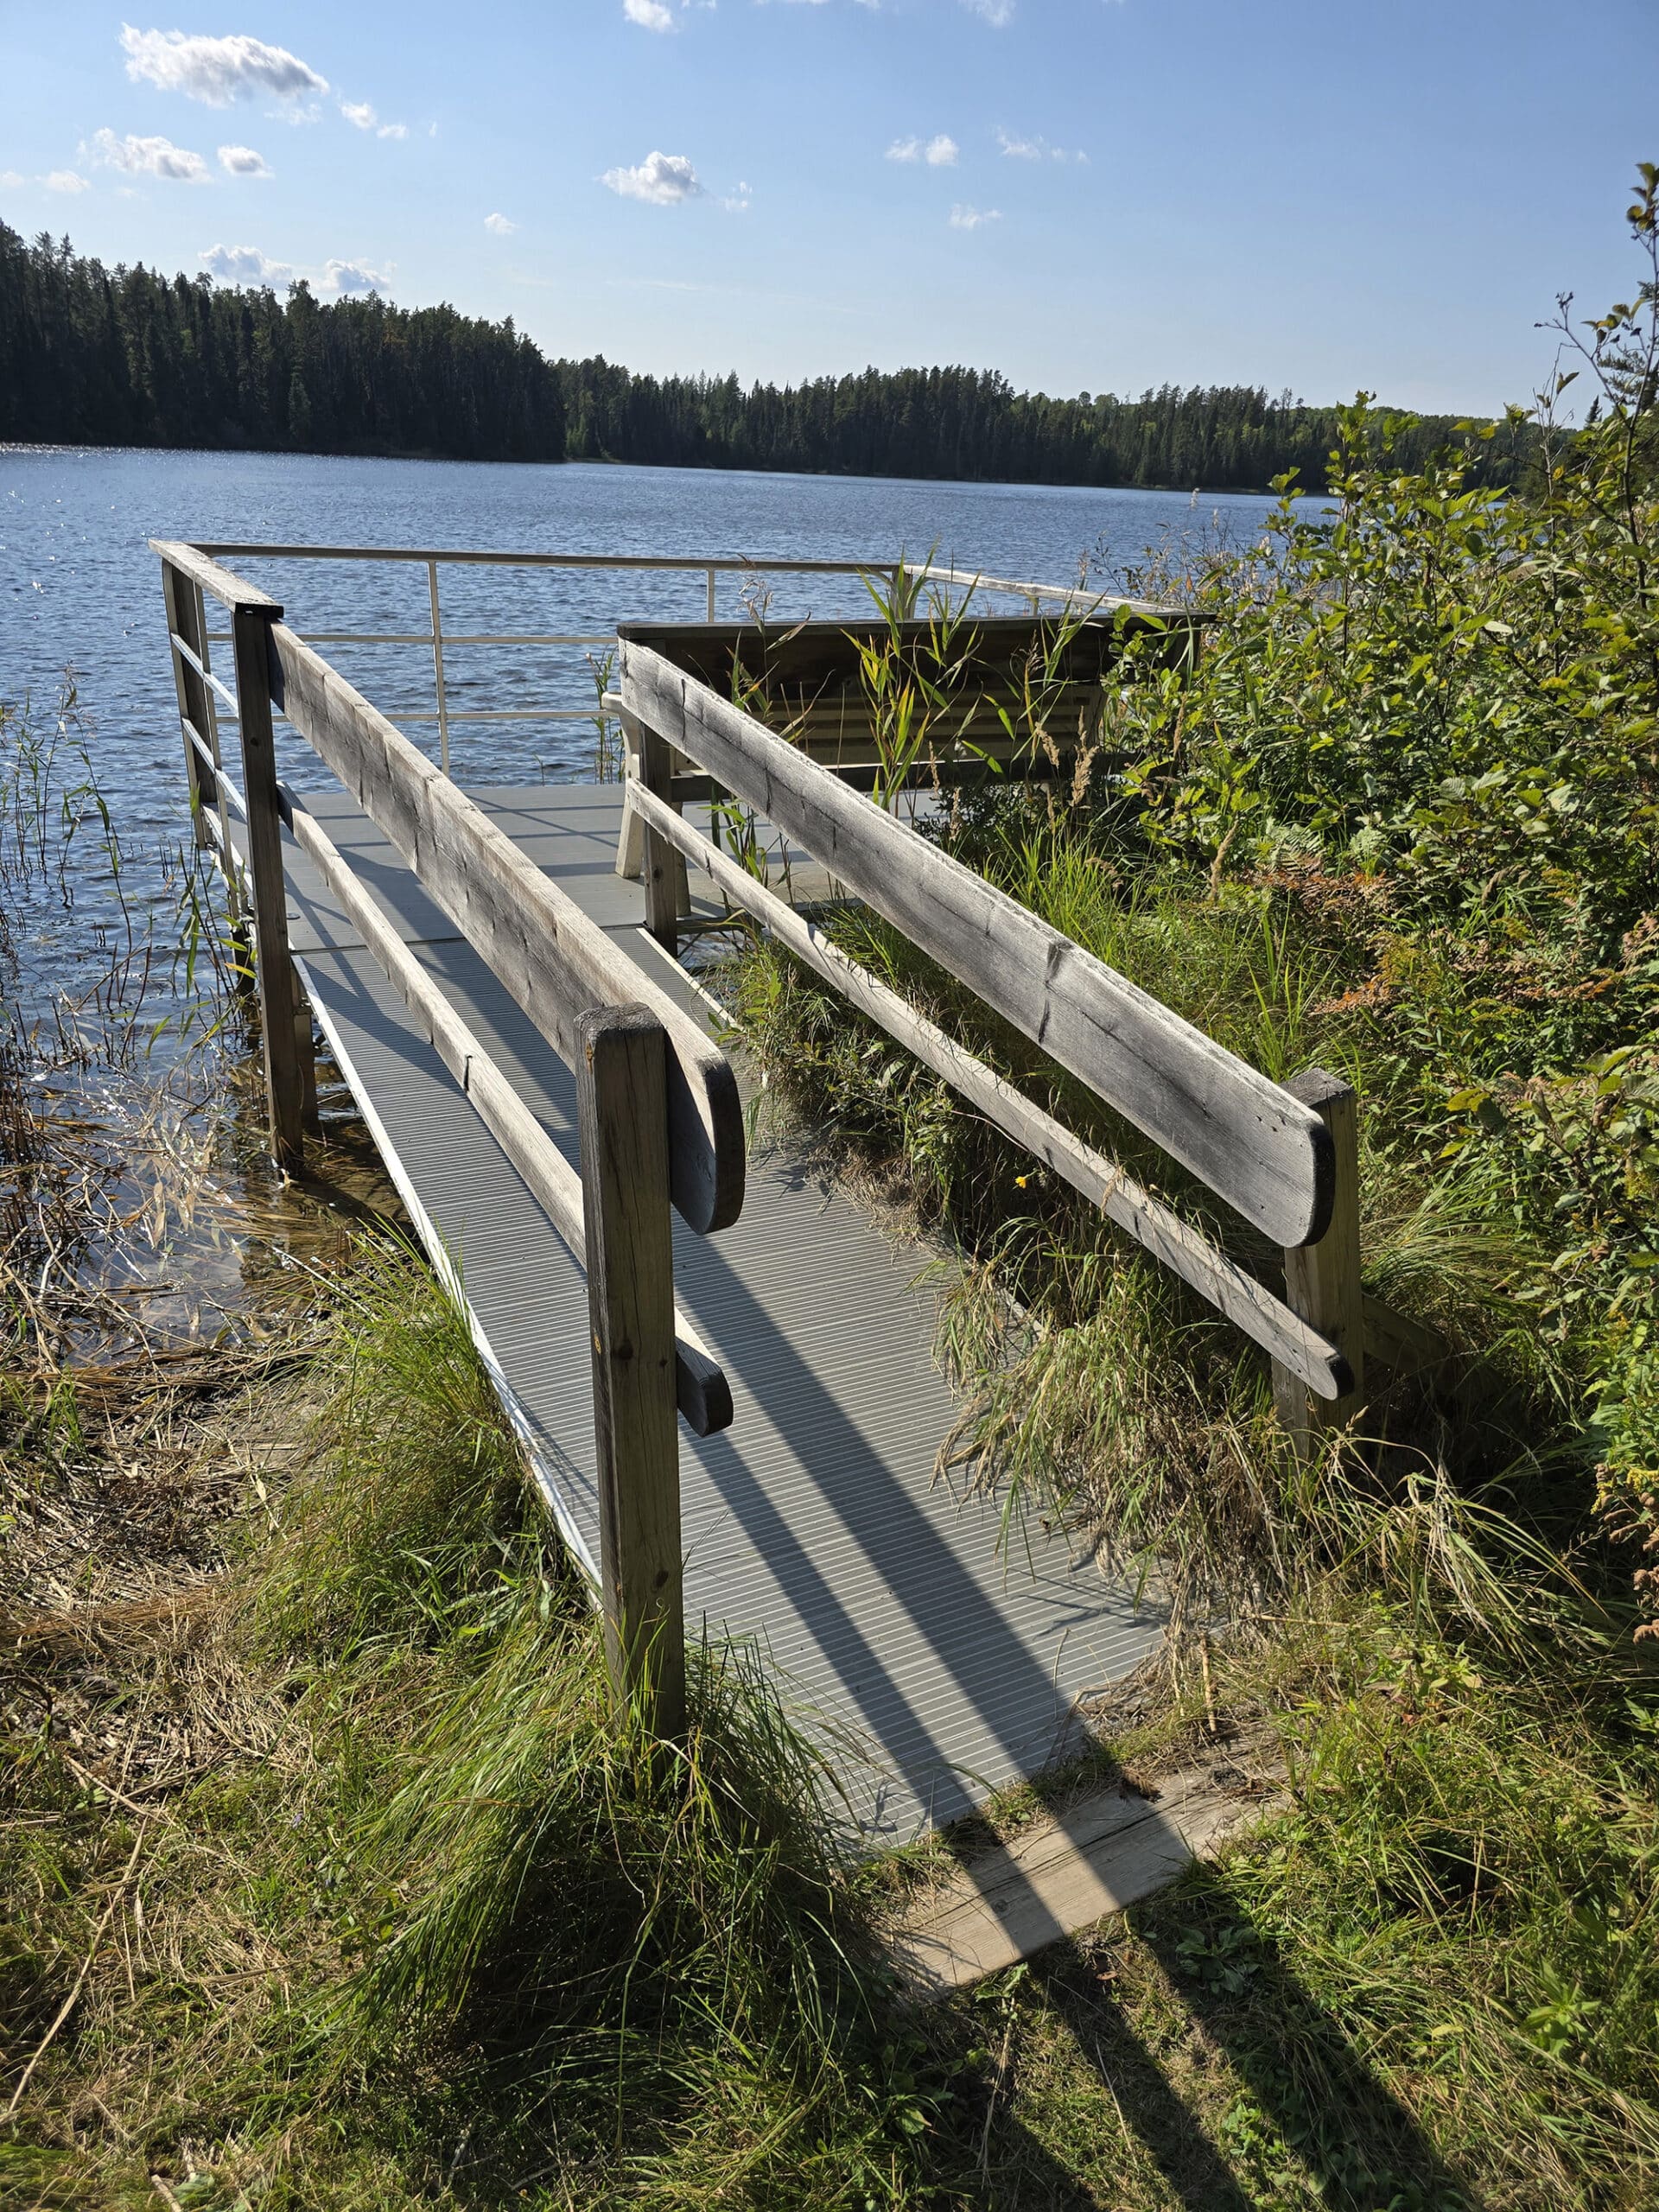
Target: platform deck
{"points": [[934, 1666]]}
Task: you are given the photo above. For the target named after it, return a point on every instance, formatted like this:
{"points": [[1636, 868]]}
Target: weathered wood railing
{"points": [[659, 1115], [1286, 1158], [660, 1119]]}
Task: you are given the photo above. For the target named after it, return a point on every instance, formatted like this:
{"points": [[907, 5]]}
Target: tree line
{"points": [[96, 356], [126, 356]]}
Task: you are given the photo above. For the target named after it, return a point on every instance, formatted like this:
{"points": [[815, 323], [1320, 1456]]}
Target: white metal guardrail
{"points": [[711, 567]]}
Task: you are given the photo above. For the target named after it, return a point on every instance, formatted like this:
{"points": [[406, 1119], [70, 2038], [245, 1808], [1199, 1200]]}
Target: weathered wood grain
{"points": [[1246, 1302], [1069, 1870], [286, 1082], [622, 1131], [1260, 1149], [219, 583], [1322, 1281], [553, 960], [702, 1392]]}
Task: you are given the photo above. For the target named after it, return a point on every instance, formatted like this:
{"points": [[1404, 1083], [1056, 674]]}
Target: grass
{"points": [[329, 1877], [1431, 1981], [366, 1897], [423, 1917]]}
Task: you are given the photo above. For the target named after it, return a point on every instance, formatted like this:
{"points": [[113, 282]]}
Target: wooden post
{"points": [[1322, 1281], [622, 1102], [235, 902], [667, 896], [285, 1083], [631, 845], [305, 1051]]}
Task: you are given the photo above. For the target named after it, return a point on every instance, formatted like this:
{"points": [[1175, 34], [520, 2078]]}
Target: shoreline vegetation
{"points": [[129, 357], [328, 1880]]}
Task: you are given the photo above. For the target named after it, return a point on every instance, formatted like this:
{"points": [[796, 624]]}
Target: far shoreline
{"points": [[1200, 491]]}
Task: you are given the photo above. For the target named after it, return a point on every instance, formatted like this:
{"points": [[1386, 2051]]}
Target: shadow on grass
{"points": [[1310, 2121]]}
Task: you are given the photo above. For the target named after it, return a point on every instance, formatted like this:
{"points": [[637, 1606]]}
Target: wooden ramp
{"points": [[934, 1668], [1101, 1853]]}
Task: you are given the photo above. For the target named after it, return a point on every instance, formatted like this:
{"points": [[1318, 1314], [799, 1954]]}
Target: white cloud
{"points": [[242, 161], [246, 264], [54, 181], [243, 264], [148, 157], [939, 152], [1036, 149], [997, 13], [964, 217], [362, 114], [351, 277], [500, 225], [650, 15], [216, 71], [664, 180]]}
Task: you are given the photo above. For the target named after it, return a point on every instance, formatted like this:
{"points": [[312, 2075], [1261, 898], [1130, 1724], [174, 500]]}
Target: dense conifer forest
{"points": [[97, 356], [126, 356]]}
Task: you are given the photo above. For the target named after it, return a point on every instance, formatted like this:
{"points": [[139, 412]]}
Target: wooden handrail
{"points": [[552, 958], [703, 1394], [231, 590], [1312, 1358], [1262, 1151]]}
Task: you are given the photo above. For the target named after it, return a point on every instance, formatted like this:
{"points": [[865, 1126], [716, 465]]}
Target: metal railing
{"points": [[712, 568]]}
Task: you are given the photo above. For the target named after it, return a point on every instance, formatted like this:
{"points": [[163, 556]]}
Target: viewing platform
{"points": [[744, 1444]]}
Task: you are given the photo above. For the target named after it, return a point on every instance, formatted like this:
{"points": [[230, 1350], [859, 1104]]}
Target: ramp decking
{"points": [[934, 1668]]}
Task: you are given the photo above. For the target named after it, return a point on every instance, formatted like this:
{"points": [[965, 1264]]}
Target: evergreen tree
{"points": [[124, 357]]}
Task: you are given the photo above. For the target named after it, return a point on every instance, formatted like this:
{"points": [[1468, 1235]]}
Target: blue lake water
{"points": [[80, 590], [88, 959], [78, 587]]}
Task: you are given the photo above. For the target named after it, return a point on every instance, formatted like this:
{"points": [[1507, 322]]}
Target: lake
{"points": [[80, 588], [86, 946]]}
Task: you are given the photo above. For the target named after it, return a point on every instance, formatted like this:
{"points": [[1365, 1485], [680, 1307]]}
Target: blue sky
{"points": [[1087, 194]]}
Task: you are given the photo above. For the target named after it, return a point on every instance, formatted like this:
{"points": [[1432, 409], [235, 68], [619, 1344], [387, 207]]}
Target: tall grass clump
{"points": [[421, 1504], [432, 1918]]}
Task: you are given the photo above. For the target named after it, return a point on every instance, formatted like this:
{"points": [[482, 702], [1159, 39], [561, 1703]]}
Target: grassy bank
{"points": [[330, 1878]]}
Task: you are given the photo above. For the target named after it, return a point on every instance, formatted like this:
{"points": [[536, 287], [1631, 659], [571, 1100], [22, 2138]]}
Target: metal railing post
{"points": [[183, 605], [287, 1086], [712, 601], [236, 903], [622, 1114], [437, 667]]}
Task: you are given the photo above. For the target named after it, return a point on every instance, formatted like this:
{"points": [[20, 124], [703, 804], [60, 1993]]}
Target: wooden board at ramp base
{"points": [[1103, 1854], [933, 1667]]}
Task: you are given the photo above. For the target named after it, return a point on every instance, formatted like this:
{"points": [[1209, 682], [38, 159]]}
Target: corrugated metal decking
{"points": [[934, 1668]]}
